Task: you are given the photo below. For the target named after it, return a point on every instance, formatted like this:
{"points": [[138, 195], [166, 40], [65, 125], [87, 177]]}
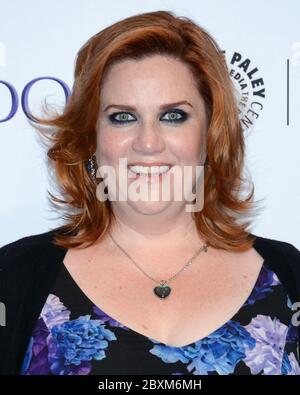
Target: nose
{"points": [[148, 140]]}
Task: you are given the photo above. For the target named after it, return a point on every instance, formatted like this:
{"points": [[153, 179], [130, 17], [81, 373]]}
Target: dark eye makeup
{"points": [[175, 116]]}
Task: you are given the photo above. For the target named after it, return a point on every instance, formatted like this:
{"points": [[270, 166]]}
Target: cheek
{"points": [[189, 147], [110, 146]]}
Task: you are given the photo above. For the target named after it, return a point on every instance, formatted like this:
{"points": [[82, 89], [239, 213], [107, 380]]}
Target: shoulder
{"points": [[277, 248], [25, 250], [284, 259]]}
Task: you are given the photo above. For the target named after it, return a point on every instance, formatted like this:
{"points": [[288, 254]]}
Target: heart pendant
{"points": [[162, 291]]}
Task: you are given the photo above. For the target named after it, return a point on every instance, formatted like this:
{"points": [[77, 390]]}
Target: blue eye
{"points": [[175, 116]]}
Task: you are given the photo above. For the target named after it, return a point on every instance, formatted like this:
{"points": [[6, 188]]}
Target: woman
{"points": [[88, 297]]}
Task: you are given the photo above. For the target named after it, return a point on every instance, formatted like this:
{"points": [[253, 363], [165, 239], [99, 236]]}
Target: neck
{"points": [[161, 230]]}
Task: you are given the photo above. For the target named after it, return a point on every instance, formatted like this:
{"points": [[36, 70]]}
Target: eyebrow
{"points": [[162, 107]]}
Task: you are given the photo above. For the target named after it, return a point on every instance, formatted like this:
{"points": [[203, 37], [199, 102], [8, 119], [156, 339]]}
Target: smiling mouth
{"points": [[149, 173]]}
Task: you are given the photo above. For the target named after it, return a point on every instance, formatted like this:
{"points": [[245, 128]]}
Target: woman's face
{"points": [[142, 125]]}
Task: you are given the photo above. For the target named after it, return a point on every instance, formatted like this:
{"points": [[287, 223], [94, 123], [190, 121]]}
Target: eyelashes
{"points": [[175, 116]]}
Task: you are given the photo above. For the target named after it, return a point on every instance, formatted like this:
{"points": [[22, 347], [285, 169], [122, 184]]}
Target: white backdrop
{"points": [[42, 38]]}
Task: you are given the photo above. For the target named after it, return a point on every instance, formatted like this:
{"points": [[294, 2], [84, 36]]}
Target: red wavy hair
{"points": [[71, 139]]}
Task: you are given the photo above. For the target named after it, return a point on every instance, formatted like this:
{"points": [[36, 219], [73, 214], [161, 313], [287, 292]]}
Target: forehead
{"points": [[156, 75]]}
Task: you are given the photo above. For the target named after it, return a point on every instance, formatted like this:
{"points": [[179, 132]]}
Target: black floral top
{"points": [[72, 336]]}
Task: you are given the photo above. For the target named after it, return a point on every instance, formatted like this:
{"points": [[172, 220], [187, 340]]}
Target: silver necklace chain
{"points": [[163, 282]]}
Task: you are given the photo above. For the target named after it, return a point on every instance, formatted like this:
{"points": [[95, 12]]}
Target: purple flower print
{"points": [[54, 312], [266, 280], [270, 336], [36, 361]]}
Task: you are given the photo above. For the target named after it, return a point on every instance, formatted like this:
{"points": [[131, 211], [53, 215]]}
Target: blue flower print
{"points": [[77, 341], [220, 351]]}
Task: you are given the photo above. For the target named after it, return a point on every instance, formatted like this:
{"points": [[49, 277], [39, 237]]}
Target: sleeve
{"points": [[292, 255], [14, 275]]}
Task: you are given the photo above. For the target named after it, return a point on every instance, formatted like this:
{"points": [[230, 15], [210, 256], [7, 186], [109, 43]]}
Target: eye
{"points": [[176, 116], [123, 117]]}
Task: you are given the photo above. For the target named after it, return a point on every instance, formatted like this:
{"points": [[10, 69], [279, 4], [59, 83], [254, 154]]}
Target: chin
{"points": [[149, 208]]}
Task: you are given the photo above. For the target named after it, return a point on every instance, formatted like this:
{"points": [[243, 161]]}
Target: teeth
{"points": [[153, 170]]}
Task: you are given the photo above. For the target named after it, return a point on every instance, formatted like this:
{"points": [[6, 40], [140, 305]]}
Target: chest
{"points": [[202, 298]]}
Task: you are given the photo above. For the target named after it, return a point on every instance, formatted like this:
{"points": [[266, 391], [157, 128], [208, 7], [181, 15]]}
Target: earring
{"points": [[90, 166]]}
